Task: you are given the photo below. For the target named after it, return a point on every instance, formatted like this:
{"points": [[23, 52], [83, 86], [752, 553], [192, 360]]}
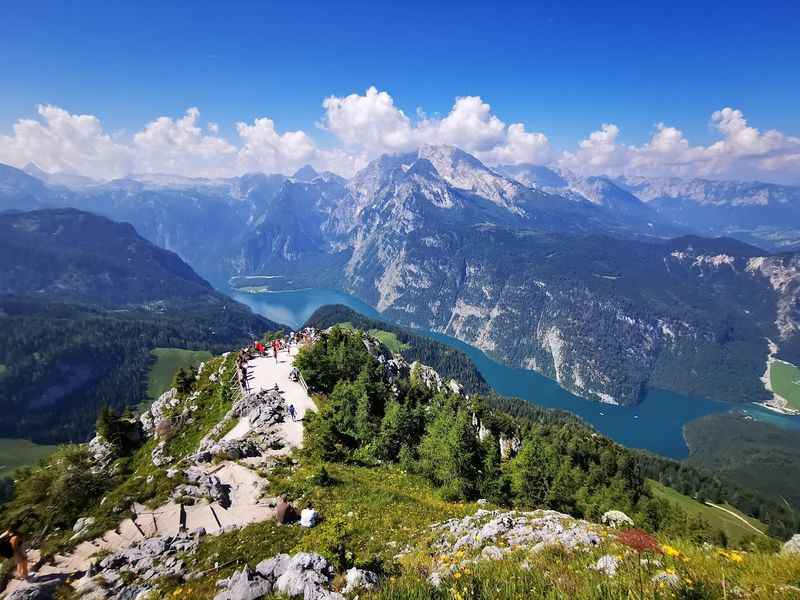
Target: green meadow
{"points": [[785, 380], [16, 453], [168, 361], [736, 526]]}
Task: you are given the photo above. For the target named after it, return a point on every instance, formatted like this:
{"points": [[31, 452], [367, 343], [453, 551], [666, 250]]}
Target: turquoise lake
{"points": [[656, 424]]}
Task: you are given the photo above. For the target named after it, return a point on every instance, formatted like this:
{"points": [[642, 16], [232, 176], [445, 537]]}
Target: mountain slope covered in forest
{"points": [[83, 301]]}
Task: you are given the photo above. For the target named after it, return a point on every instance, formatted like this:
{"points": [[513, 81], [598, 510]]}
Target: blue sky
{"points": [[562, 68]]}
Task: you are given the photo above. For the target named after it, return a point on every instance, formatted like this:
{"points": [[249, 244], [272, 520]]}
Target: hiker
{"points": [[294, 374], [13, 546], [244, 378], [292, 412]]}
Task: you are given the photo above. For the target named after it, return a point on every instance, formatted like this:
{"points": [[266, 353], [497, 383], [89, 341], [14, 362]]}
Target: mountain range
{"points": [[608, 285]]}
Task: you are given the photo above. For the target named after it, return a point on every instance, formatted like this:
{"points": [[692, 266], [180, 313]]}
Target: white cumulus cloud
{"points": [[743, 152], [369, 124], [373, 124], [61, 141]]}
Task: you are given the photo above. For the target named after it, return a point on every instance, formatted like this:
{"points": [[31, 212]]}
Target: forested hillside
{"points": [[690, 479], [83, 301], [449, 362], [759, 455]]}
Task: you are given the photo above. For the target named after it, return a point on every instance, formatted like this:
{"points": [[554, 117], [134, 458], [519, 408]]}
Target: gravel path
{"points": [[246, 484]]}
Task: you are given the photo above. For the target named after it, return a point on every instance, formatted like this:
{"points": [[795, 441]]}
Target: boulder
{"points": [[159, 455], [156, 412], [306, 574], [487, 533], [203, 486], [309, 517], [455, 387], [81, 525], [245, 585], [359, 579], [41, 588], [792, 546], [616, 518], [509, 446], [274, 567], [102, 452], [426, 376]]}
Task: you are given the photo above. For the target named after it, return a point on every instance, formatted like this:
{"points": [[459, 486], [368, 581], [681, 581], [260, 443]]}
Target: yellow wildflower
{"points": [[731, 555], [670, 551]]}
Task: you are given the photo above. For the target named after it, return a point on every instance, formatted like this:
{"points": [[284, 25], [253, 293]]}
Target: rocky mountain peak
{"points": [[305, 173]]}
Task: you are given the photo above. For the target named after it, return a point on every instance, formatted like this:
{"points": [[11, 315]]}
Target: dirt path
{"points": [[267, 372], [740, 517], [246, 484]]}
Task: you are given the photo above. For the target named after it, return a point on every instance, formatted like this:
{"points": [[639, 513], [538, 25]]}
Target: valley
{"points": [[591, 281]]}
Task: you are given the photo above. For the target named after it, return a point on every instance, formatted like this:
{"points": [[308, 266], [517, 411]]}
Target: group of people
{"points": [[277, 345], [260, 348]]}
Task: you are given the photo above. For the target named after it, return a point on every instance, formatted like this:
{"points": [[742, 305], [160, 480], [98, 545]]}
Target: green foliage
{"points": [[18, 453], [448, 362], [184, 380], [594, 460], [785, 380], [450, 454], [337, 357], [363, 418], [121, 432], [532, 471], [56, 495], [739, 530]]}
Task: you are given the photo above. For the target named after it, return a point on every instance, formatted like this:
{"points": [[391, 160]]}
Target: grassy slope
{"points": [[387, 338], [784, 379], [168, 361], [16, 453], [379, 511], [734, 529]]}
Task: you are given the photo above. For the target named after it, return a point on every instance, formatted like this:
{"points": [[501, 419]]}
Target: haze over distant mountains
{"points": [[601, 283]]}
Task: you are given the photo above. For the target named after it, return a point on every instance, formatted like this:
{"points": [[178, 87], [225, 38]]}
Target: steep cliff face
{"points": [[606, 318], [783, 274]]}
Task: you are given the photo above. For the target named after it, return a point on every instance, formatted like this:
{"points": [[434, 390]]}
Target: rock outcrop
{"points": [[792, 546], [305, 574], [490, 535]]}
